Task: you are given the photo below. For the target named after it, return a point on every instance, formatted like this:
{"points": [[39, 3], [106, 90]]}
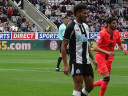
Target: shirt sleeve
{"points": [[99, 38], [60, 33], [87, 32], [68, 33], [119, 38]]}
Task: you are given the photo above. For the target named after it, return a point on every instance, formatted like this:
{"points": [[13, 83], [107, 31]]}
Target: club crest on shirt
{"points": [[98, 38]]}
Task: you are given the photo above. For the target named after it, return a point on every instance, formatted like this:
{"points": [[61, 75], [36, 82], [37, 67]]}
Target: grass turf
{"points": [[32, 73]]}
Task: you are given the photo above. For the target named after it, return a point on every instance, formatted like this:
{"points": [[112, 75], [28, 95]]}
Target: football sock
{"points": [[76, 93], [98, 83], [104, 85], [59, 61], [84, 92]]}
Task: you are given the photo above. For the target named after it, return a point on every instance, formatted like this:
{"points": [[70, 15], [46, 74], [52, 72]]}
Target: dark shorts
{"points": [[60, 45], [81, 69]]}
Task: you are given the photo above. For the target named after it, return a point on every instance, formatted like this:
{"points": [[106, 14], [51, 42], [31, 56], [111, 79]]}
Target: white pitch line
{"points": [[46, 68], [23, 70]]}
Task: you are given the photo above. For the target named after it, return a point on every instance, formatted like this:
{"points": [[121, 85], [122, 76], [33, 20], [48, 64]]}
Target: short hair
{"points": [[78, 8], [110, 19]]}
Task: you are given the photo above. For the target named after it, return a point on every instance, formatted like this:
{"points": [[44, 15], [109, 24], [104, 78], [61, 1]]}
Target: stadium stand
{"points": [[9, 15], [98, 10]]}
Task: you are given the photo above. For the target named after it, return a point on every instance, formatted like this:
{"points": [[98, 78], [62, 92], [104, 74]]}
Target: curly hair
{"points": [[78, 8]]}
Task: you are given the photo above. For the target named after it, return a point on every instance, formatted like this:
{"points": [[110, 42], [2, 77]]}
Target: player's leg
{"points": [[76, 72], [88, 85], [58, 63], [98, 82], [78, 81], [106, 78], [88, 79], [101, 68], [59, 59], [109, 67]]}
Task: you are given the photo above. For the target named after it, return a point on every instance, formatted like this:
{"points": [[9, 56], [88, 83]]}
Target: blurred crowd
{"points": [[98, 12], [11, 21]]}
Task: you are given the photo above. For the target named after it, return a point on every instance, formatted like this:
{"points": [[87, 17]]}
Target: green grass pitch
{"points": [[32, 73]]}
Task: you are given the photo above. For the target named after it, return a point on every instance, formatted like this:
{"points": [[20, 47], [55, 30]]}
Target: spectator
{"points": [[58, 21], [5, 10], [28, 26], [48, 13], [10, 12], [15, 12], [47, 28], [125, 13], [47, 6], [23, 19], [41, 7], [58, 5], [54, 7], [6, 5], [121, 9], [57, 12], [4, 19], [70, 13], [63, 8], [33, 28], [14, 28], [8, 27], [6, 24], [44, 8], [19, 22], [93, 28], [124, 24], [24, 26]]}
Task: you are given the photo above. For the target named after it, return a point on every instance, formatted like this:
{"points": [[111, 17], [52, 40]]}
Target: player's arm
{"points": [[122, 48], [96, 48], [64, 56], [92, 57], [66, 39]]}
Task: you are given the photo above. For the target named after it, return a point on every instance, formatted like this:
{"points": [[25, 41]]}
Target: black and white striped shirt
{"points": [[77, 34]]}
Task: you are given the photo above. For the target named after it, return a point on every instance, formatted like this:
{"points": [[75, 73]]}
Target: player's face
{"points": [[83, 15], [113, 25], [67, 20]]}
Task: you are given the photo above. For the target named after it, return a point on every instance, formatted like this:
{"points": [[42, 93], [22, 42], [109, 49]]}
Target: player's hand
{"points": [[66, 70], [124, 52], [95, 64], [110, 53]]}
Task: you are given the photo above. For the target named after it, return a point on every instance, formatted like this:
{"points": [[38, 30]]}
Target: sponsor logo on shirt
{"points": [[81, 38]]}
